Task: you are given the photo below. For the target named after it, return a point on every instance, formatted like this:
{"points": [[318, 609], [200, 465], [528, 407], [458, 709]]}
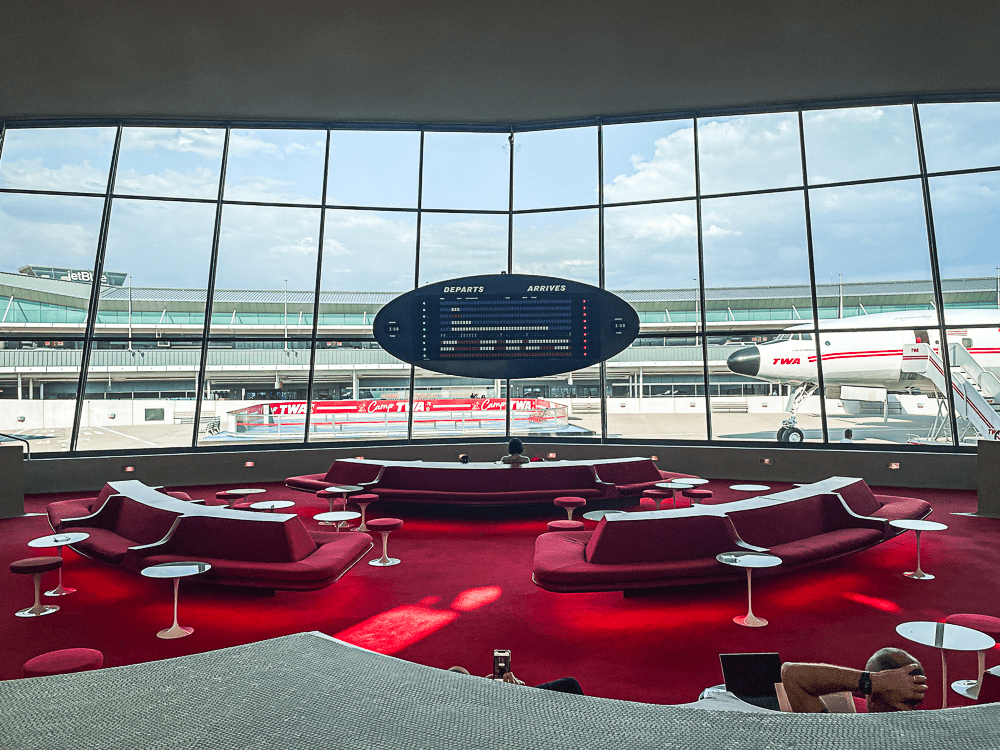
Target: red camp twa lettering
{"points": [[787, 361]]}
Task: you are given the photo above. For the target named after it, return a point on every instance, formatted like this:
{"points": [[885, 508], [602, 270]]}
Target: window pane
{"points": [[360, 392], [53, 238], [860, 143], [873, 392], [255, 392], [870, 233], [72, 159], [454, 245], [960, 136], [466, 170], [368, 251], [266, 274], [48, 373], [140, 395], [555, 168], [561, 243], [165, 247], [750, 152], [656, 390], [967, 228], [545, 407], [170, 162], [276, 166], [759, 242], [377, 169], [651, 247], [648, 161]]}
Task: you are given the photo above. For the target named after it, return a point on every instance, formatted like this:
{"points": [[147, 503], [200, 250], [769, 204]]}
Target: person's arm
{"points": [[805, 683]]}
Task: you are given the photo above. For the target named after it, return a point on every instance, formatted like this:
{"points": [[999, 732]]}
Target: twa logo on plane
{"points": [[787, 361]]}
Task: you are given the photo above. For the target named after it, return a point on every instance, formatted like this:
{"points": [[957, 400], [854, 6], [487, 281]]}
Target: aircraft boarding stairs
{"points": [[976, 390]]}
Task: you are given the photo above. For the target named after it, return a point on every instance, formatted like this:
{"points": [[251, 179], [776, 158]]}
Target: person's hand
{"points": [[509, 677], [898, 689]]}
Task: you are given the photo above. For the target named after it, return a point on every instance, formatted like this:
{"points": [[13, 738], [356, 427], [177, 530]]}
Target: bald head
{"points": [[891, 658]]}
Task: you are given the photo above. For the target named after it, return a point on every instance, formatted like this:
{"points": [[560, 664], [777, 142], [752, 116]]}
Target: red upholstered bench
{"points": [[273, 552], [630, 551], [63, 661], [864, 502], [632, 476], [63, 509], [120, 527], [803, 531], [341, 472]]}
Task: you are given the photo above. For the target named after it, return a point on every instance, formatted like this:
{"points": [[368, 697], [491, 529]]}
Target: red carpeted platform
{"points": [[464, 588]]}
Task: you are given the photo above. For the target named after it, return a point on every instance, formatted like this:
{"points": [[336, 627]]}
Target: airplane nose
{"points": [[745, 361]]}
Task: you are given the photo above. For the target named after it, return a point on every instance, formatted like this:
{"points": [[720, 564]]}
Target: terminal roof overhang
{"points": [[518, 61]]}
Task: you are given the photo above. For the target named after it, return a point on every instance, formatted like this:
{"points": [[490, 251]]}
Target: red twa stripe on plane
{"points": [[858, 355]]}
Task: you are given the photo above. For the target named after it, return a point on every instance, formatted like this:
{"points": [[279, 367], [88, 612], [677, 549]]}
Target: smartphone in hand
{"points": [[501, 663]]}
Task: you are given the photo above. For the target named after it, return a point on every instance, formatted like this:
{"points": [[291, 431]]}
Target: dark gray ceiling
{"points": [[435, 61]]}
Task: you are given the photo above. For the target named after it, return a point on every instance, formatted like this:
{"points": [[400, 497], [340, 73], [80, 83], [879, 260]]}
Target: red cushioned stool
{"points": [[565, 526], [697, 496], [658, 496], [333, 499], [570, 504], [363, 501], [63, 661], [984, 624], [383, 526], [36, 567]]}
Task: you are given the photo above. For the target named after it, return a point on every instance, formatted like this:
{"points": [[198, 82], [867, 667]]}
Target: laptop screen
{"points": [[752, 676]]}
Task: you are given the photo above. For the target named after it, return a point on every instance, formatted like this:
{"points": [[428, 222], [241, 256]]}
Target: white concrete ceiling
{"points": [[456, 62]]}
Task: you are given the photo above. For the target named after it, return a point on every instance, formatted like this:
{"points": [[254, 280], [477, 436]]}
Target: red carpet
{"points": [[464, 588]]}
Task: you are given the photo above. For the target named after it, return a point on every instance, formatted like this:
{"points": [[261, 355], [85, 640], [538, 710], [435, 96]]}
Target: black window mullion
{"points": [[936, 275], [416, 278], [95, 294], [703, 315], [812, 281], [510, 258], [319, 284], [603, 370], [210, 294]]}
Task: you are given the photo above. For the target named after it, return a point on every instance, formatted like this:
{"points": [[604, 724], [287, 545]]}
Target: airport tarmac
{"points": [[868, 430]]}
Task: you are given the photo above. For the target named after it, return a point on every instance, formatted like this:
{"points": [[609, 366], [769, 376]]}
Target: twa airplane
{"points": [[900, 361]]}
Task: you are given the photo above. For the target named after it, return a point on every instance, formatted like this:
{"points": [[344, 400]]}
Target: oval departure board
{"points": [[506, 326]]}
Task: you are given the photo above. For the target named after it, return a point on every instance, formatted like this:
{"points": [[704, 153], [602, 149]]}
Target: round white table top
{"points": [[749, 487], [344, 488], [748, 559], [597, 515], [696, 481], [176, 570], [918, 525], [58, 540], [337, 515], [246, 491], [675, 484], [272, 504], [946, 636]]}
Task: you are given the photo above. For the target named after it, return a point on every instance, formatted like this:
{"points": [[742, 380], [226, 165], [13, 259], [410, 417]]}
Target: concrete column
{"points": [[41, 391], [354, 384], [31, 389], [12, 486], [19, 386]]}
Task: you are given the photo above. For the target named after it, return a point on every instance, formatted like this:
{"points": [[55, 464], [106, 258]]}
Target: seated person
{"points": [[515, 450], [562, 685], [891, 681]]}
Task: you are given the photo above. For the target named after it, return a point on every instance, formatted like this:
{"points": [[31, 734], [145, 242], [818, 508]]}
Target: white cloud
{"points": [[31, 174], [200, 182], [668, 174], [204, 142]]}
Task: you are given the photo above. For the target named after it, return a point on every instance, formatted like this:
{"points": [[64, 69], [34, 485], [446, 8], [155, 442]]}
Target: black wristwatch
{"points": [[865, 684]]}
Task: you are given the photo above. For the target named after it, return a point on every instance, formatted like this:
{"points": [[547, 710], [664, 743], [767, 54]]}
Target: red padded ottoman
{"points": [[383, 526], [570, 504], [63, 661], [565, 526]]}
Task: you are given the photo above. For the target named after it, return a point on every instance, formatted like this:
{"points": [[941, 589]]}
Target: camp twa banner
{"points": [[393, 407]]}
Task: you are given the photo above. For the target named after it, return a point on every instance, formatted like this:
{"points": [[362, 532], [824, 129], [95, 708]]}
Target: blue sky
{"points": [[867, 232]]}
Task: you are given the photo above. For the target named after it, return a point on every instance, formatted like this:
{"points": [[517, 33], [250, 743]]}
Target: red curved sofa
{"points": [[138, 526], [633, 551], [490, 484], [84, 506]]}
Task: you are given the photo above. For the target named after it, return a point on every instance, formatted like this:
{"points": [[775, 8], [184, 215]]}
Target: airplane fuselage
{"points": [[867, 358]]}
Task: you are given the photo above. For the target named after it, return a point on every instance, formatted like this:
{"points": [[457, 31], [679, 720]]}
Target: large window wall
{"points": [[256, 258]]}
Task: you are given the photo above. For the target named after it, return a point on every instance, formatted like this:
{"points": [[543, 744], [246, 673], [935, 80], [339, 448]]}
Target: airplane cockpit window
{"points": [[807, 337]]}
